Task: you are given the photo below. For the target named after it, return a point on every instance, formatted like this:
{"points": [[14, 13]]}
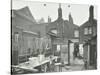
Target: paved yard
{"points": [[76, 66]]}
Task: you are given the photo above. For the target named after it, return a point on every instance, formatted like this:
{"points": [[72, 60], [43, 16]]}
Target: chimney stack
{"points": [[70, 18], [91, 13], [59, 12], [49, 19]]}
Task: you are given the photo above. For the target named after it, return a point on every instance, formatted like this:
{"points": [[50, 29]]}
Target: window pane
{"points": [[90, 30], [16, 36], [58, 47], [76, 33], [54, 31], [85, 31]]}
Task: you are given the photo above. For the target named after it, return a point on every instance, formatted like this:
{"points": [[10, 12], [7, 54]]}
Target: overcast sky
{"points": [[80, 13]]}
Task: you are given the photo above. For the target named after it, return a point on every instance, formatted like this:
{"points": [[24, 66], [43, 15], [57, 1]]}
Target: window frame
{"points": [[86, 32], [89, 30], [75, 33]]}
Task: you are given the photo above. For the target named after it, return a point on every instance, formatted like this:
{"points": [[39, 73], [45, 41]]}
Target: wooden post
{"points": [[88, 63], [16, 39], [52, 45], [68, 52]]}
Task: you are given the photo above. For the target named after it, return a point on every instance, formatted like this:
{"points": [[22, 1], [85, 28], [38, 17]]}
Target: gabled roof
{"points": [[23, 19], [66, 22], [25, 12], [87, 23], [71, 25], [68, 27]]}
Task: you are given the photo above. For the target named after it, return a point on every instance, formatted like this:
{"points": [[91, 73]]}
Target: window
{"points": [[58, 48], [94, 31], [76, 33], [16, 36], [90, 30], [54, 31], [85, 31]]}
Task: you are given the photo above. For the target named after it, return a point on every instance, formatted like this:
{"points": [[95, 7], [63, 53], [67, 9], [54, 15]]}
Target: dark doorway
{"points": [[92, 54]]}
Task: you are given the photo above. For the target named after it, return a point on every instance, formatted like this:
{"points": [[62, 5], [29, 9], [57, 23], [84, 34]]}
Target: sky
{"points": [[79, 12]]}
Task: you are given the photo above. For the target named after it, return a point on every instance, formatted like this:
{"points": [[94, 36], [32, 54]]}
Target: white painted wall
{"points": [[81, 49], [71, 52]]}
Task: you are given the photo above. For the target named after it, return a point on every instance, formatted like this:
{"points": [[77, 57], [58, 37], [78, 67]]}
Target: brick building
{"points": [[89, 28], [63, 33], [88, 37], [26, 35]]}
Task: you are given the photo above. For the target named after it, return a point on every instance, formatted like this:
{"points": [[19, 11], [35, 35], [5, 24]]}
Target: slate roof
{"points": [[68, 28], [87, 23], [25, 12], [24, 20]]}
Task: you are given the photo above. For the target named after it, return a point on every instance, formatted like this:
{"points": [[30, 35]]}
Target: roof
{"points": [[68, 27], [87, 23], [66, 22], [31, 32], [70, 24], [24, 20], [25, 12]]}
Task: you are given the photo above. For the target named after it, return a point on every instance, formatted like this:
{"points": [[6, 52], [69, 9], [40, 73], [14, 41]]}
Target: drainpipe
{"points": [[68, 52]]}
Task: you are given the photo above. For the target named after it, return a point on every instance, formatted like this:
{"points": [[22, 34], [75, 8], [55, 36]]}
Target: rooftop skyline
{"points": [[80, 13]]}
